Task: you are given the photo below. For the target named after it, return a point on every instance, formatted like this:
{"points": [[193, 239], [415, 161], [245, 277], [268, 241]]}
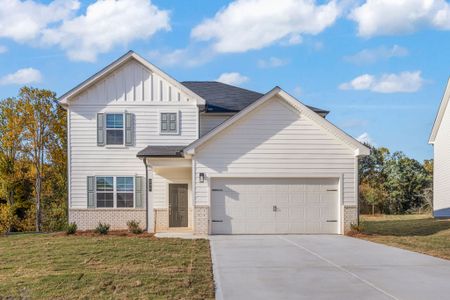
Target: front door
{"points": [[178, 205]]}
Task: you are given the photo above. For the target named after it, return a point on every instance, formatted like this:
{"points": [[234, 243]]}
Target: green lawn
{"points": [[111, 267], [420, 233]]}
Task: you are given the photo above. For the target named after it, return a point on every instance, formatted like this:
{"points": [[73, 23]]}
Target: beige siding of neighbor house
{"points": [[133, 89], [275, 140]]}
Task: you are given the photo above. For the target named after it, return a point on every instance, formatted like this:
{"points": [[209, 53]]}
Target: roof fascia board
{"points": [[440, 115]]}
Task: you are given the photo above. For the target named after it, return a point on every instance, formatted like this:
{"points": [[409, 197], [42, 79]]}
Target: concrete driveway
{"points": [[323, 267]]}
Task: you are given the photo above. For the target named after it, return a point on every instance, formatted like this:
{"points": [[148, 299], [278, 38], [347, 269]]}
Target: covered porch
{"points": [[169, 186]]}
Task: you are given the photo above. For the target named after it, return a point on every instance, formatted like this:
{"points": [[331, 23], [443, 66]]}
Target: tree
{"points": [[11, 134], [39, 111]]}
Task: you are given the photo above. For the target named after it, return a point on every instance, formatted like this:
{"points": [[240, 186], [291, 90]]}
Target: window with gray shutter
{"points": [[139, 192], [169, 123], [129, 129], [91, 192], [100, 129]]}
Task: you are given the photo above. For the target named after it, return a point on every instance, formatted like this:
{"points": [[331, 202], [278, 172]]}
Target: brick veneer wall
{"points": [[161, 217], [350, 217], [201, 220], [87, 219]]}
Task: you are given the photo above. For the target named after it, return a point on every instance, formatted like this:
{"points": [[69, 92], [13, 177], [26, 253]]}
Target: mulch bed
{"points": [[122, 233]]}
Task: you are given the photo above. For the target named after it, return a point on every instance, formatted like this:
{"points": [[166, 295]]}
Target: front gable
{"points": [[127, 81]]}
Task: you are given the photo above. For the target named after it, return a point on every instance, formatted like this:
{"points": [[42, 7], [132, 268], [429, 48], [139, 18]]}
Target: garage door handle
{"points": [[335, 190], [217, 190], [217, 221], [331, 220]]}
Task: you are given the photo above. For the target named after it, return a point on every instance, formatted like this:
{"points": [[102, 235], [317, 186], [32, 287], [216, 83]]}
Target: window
{"points": [[115, 192], [125, 188], [105, 191], [169, 122], [114, 129]]}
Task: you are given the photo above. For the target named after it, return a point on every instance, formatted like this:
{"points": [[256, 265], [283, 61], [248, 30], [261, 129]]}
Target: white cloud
{"points": [[404, 82], [370, 56], [3, 49], [185, 57], [22, 76], [272, 62], [104, 25], [23, 21], [365, 138], [298, 91], [387, 17], [233, 78], [253, 24]]}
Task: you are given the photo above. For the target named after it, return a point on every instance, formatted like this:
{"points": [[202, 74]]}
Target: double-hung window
{"points": [[115, 192], [105, 191], [169, 123], [114, 129]]}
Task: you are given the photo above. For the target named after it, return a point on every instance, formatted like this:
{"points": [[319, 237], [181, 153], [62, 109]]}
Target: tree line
{"points": [[33, 169], [33, 162]]}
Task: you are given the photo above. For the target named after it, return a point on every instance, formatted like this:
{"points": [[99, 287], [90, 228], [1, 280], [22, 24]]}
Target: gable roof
{"points": [[355, 145], [224, 98], [117, 64], [440, 115]]}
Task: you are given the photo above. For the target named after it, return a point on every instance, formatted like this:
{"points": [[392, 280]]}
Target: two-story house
{"points": [[204, 157]]}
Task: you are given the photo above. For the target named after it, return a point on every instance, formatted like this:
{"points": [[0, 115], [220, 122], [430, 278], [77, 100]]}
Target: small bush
{"points": [[71, 228], [133, 227], [356, 227], [102, 228]]}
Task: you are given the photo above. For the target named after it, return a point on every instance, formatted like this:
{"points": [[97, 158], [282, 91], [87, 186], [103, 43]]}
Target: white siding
{"points": [[161, 180], [441, 197], [128, 89], [275, 139], [209, 122]]}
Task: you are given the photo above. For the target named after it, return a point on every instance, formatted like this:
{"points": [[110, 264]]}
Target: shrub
{"points": [[356, 227], [102, 228], [6, 218], [71, 228], [133, 227]]}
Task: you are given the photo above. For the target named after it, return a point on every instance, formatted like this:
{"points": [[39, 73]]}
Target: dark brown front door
{"points": [[178, 205]]}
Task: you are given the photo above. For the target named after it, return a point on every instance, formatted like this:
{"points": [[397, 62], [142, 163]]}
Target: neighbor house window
{"points": [[115, 191], [114, 129], [105, 191], [169, 123]]}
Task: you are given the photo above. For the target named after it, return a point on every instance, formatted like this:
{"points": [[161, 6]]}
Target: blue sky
{"points": [[380, 67]]}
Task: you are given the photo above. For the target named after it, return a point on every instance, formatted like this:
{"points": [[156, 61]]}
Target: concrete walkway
{"points": [[323, 267]]}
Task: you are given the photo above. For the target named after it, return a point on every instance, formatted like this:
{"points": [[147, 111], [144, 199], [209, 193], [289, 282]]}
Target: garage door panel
{"points": [[246, 205]]}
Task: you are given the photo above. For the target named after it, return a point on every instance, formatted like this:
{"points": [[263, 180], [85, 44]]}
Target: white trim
{"points": [[440, 115], [275, 175], [357, 147], [116, 64], [112, 146], [69, 161]]}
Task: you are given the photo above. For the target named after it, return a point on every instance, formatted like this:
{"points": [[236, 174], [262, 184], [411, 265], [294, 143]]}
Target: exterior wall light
{"points": [[202, 177]]}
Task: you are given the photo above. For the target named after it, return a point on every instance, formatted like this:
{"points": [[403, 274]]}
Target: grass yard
{"points": [[420, 233], [111, 267]]}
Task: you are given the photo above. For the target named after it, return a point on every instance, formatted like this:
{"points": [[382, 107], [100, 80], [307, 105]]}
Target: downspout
{"points": [[146, 194]]}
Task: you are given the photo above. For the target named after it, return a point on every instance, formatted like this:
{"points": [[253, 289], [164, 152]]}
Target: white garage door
{"points": [[274, 205]]}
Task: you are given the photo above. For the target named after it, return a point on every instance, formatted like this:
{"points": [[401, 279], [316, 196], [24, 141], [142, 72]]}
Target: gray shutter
{"points": [[139, 192], [129, 129], [100, 129], [91, 192]]}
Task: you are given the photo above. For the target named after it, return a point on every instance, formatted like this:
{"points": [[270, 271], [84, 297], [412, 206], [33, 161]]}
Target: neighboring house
{"points": [[220, 159], [440, 138]]}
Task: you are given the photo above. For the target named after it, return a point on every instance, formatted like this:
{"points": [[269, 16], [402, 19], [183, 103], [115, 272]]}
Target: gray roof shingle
{"points": [[221, 97], [161, 151]]}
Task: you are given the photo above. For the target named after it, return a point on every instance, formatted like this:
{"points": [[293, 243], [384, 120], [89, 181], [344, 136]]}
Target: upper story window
{"points": [[114, 129], [169, 123]]}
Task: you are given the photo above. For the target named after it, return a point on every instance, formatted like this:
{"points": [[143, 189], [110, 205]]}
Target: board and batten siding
{"points": [[211, 121], [128, 89], [274, 139], [441, 189]]}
